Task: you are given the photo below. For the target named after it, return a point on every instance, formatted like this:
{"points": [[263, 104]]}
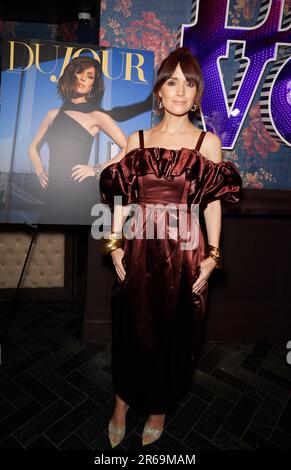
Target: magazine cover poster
{"points": [[65, 108]]}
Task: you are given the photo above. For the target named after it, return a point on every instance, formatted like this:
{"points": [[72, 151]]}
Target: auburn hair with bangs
{"points": [[189, 66], [68, 80]]}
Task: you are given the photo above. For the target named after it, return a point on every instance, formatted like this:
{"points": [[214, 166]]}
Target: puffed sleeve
{"points": [[118, 179], [217, 181]]}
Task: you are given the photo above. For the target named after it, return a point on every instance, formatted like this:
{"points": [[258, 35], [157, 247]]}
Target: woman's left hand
{"points": [[81, 172], [206, 268]]}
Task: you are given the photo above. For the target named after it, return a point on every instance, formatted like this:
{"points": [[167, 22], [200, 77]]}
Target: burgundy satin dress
{"points": [[156, 319]]}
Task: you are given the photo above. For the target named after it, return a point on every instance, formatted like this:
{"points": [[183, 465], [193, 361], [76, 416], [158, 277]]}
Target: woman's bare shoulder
{"points": [[133, 142], [101, 116], [211, 147], [52, 114]]}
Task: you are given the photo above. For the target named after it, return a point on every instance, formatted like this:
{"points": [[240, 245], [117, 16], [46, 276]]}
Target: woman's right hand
{"points": [[117, 257], [43, 178]]}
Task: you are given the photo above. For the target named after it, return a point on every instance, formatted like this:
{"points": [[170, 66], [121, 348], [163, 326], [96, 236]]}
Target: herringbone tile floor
{"points": [[56, 393]]}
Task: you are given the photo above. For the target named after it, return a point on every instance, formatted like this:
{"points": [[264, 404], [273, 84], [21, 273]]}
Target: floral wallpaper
{"points": [[143, 24], [263, 162]]}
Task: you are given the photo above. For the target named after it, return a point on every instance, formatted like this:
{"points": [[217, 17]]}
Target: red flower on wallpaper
{"points": [[103, 42], [256, 138], [68, 31], [248, 9], [242, 8], [149, 33]]}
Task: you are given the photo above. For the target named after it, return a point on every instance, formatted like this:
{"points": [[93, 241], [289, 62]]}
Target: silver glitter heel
{"points": [[116, 433], [150, 435]]}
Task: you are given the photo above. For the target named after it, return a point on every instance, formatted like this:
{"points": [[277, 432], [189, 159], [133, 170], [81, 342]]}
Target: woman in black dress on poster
{"points": [[70, 185], [160, 291]]}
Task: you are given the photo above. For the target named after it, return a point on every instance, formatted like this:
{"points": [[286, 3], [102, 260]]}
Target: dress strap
{"points": [[200, 140], [141, 139]]}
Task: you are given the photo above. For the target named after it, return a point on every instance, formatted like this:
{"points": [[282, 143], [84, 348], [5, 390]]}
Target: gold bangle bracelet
{"points": [[107, 247], [216, 259], [214, 249], [111, 242], [98, 170], [215, 252]]}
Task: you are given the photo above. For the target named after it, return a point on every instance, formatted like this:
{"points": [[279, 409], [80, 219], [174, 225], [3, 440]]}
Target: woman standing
{"points": [[69, 132], [159, 297]]}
